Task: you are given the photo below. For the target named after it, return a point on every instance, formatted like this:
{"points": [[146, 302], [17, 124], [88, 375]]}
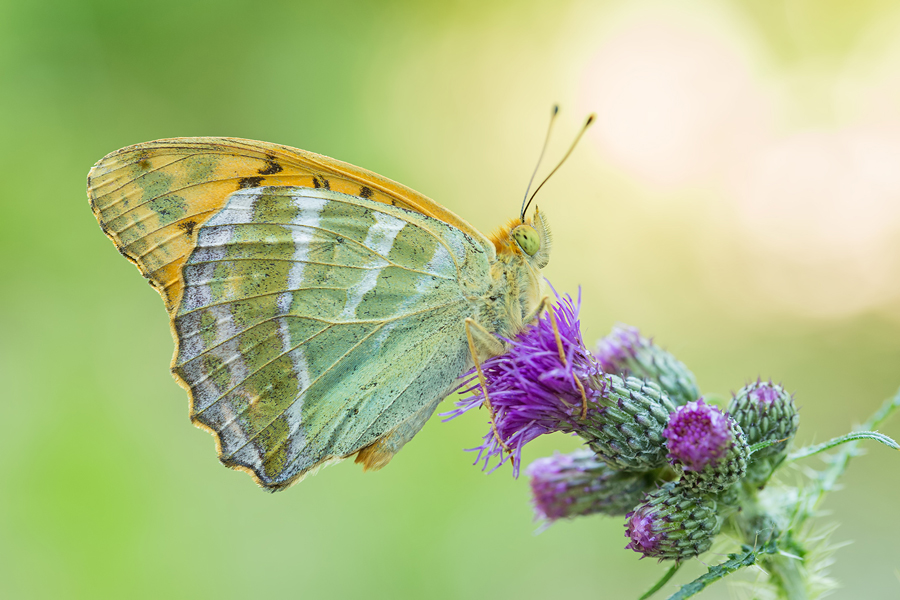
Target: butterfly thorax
{"points": [[523, 249]]}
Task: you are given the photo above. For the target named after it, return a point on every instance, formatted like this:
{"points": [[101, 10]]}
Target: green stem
{"points": [[826, 479], [883, 413], [784, 572], [665, 579], [747, 557], [850, 437]]}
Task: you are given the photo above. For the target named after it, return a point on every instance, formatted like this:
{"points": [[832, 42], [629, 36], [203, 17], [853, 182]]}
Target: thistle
{"points": [[547, 381], [578, 484], [626, 428], [672, 523], [708, 446], [637, 407], [624, 351], [765, 412]]}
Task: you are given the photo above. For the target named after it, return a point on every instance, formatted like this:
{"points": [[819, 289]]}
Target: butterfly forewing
{"points": [[314, 323], [150, 198]]}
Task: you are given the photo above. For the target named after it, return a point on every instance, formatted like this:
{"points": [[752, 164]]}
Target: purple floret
{"points": [[619, 346], [765, 394], [531, 389], [639, 527], [697, 434], [548, 490]]}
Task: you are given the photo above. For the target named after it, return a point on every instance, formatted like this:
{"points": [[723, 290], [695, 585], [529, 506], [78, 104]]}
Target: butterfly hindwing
{"points": [[315, 323], [151, 198]]}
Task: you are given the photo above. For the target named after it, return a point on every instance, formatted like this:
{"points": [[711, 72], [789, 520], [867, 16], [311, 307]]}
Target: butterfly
{"points": [[319, 310]]}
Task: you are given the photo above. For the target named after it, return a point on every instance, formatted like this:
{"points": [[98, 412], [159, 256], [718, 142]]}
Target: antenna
{"points": [[587, 124], [540, 158]]}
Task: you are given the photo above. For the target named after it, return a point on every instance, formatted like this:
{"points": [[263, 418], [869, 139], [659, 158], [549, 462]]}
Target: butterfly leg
{"points": [[489, 340], [562, 358], [543, 305]]}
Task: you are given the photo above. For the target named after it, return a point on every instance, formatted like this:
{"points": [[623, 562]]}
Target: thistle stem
{"points": [[786, 574]]}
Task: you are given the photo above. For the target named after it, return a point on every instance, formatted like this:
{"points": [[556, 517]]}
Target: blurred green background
{"points": [[738, 199]]}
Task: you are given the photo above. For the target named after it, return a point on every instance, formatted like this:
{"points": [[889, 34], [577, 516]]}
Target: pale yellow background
{"points": [[738, 199]]}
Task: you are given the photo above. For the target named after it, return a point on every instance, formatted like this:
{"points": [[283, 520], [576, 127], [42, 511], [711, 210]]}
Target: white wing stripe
{"points": [[301, 370], [211, 244], [380, 239], [310, 209], [440, 260], [239, 209]]}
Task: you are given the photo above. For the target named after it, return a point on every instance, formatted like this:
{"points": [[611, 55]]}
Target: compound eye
{"points": [[527, 238]]}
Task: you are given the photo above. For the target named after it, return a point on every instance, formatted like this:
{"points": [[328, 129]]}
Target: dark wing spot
{"points": [[272, 166], [316, 183], [187, 227], [326, 184], [365, 192], [249, 182], [142, 160]]}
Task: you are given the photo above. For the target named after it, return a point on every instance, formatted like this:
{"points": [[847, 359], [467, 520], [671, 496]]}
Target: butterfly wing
{"points": [[151, 198], [314, 324]]}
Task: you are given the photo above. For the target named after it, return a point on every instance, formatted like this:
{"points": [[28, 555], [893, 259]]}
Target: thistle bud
{"points": [[766, 412], [577, 484], [626, 429], [708, 446], [672, 523], [625, 352]]}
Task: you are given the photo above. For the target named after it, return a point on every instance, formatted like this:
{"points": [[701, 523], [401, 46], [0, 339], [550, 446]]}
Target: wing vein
{"points": [[311, 383], [308, 318]]}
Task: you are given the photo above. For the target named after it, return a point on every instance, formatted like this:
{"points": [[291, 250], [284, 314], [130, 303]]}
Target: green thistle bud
{"points": [[576, 484], [626, 430], [624, 351], [765, 412], [672, 523]]}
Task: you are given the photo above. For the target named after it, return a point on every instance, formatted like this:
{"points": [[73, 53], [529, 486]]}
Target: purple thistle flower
{"points": [[639, 527], [619, 347], [708, 445], [625, 351], [698, 434], [548, 485], [531, 389], [577, 484], [548, 381]]}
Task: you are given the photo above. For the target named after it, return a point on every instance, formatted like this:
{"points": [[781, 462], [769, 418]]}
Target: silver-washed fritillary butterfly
{"points": [[319, 310]]}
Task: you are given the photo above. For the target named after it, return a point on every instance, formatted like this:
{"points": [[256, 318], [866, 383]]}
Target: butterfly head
{"points": [[527, 240]]}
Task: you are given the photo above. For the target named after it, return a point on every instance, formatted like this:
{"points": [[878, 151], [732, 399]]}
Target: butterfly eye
{"points": [[527, 238]]}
